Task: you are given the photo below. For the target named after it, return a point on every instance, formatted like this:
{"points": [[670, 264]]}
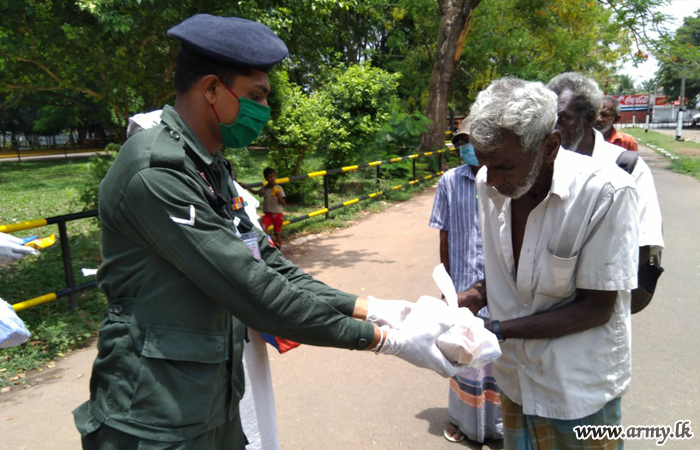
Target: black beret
{"points": [[231, 40]]}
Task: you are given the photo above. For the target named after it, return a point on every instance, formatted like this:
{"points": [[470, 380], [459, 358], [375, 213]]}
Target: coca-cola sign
{"points": [[637, 101]]}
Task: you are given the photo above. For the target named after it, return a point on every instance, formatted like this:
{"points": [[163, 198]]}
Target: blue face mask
{"points": [[466, 151]]}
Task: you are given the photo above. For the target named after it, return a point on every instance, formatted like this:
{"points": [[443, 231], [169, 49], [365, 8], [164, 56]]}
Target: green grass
{"points": [[33, 190], [665, 141], [684, 164]]}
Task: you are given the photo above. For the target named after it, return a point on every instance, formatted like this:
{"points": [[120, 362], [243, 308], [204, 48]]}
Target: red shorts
{"points": [[275, 219]]}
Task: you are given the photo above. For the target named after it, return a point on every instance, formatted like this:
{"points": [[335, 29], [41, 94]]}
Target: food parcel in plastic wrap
{"points": [[467, 341]]}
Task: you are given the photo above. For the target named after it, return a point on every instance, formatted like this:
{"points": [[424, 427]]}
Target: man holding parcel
{"points": [[560, 257]]}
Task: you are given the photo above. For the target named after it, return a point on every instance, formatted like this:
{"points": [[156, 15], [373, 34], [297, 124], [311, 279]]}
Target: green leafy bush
{"points": [[293, 136], [239, 158], [95, 171], [357, 101], [399, 170], [401, 133]]}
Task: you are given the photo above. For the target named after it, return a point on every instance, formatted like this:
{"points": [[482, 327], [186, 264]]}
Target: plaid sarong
{"points": [[475, 404], [526, 432]]}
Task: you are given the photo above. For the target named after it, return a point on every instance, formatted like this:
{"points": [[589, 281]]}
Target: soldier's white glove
{"points": [[12, 250], [13, 332], [416, 341], [387, 312]]}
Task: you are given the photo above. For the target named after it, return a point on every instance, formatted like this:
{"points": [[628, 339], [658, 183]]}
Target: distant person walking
{"points": [[607, 118]]}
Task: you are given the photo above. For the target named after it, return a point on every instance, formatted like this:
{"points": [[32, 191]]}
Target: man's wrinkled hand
{"points": [[473, 298]]}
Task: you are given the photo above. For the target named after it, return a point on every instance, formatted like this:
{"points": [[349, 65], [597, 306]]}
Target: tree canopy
{"points": [[682, 58], [81, 62]]}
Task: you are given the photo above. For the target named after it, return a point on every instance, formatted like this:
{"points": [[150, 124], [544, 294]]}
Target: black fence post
{"points": [[379, 174], [414, 168], [325, 195], [67, 264]]}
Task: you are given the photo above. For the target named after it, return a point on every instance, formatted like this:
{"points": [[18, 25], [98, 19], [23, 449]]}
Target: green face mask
{"points": [[252, 117]]}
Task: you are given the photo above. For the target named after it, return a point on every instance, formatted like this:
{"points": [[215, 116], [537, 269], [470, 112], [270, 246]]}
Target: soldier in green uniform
{"points": [[185, 271]]}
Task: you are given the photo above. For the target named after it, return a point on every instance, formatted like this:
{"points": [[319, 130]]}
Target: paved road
{"points": [[9, 157], [335, 399]]}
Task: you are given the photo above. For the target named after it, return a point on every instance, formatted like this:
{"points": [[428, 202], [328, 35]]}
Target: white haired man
{"points": [[558, 292], [579, 103]]}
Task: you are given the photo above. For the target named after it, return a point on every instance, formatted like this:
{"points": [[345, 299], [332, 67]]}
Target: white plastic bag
{"points": [[467, 341], [13, 332]]}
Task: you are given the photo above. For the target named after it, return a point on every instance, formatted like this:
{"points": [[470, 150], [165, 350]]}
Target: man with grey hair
{"points": [[579, 101], [557, 291], [607, 118]]}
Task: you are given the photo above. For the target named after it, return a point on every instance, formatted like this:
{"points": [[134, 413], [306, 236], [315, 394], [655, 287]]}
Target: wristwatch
{"points": [[496, 328]]}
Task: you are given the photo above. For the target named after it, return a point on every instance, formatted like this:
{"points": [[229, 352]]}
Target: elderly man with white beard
{"points": [[558, 292]]}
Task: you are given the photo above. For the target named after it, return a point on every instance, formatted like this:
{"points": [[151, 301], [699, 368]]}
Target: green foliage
{"points": [[397, 170], [53, 120], [623, 84], [401, 133], [682, 58], [54, 52], [357, 102], [95, 171], [294, 134], [239, 158], [535, 40]]}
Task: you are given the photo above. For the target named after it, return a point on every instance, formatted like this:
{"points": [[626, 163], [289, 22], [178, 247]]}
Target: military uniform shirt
{"points": [[181, 284]]}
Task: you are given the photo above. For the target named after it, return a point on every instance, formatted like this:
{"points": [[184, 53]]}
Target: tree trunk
{"points": [[300, 158], [456, 16]]}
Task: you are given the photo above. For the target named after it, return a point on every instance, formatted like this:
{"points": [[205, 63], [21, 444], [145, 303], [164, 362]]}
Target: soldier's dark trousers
{"points": [[226, 437]]}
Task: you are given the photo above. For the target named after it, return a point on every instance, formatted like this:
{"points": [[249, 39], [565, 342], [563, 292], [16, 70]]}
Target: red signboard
{"points": [[637, 102]]}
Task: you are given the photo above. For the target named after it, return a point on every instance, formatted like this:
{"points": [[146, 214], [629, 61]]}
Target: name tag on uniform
{"points": [[251, 240]]}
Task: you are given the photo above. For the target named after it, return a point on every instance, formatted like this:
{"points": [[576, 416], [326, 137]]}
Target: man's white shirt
{"points": [[583, 235], [650, 223]]}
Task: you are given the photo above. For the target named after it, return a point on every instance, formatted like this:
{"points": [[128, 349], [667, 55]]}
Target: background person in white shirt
{"points": [[579, 103], [558, 289]]}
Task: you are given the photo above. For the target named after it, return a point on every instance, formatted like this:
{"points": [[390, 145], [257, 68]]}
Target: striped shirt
{"points": [[456, 210]]}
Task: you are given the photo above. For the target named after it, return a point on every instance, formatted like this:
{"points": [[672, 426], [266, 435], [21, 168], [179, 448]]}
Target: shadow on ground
{"points": [[318, 256], [436, 424]]}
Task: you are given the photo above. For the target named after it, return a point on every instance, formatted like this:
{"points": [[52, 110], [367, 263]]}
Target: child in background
{"points": [[273, 203]]}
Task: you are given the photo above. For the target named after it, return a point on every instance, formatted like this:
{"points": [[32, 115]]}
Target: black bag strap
{"points": [[627, 161]]}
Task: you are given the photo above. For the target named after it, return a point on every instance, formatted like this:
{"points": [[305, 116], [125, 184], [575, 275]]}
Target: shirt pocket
{"points": [[183, 379], [557, 276]]}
